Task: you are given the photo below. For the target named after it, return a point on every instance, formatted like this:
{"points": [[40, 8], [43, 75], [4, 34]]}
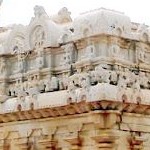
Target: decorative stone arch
{"points": [[119, 31], [65, 36], [84, 28], [47, 33], [86, 31], [17, 39]]}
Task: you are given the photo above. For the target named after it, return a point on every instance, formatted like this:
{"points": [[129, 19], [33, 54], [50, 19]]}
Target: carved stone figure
{"points": [[12, 90], [76, 79], [33, 86], [40, 62], [113, 77], [2, 89], [21, 95], [143, 80], [41, 86], [122, 93], [90, 51], [35, 82], [3, 94], [29, 82], [47, 84], [38, 37], [85, 86], [72, 91], [128, 75], [94, 77], [114, 50], [20, 63], [85, 81], [18, 87], [18, 46], [54, 83], [25, 86], [136, 83], [141, 55], [122, 81], [63, 82], [68, 57], [137, 95], [103, 74], [2, 66]]}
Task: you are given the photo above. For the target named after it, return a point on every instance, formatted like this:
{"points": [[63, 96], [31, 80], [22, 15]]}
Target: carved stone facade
{"points": [[81, 84]]}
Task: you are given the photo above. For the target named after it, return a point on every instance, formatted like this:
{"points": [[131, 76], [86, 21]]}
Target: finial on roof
{"points": [[63, 16]]}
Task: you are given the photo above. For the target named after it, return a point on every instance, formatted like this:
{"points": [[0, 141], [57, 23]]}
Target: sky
{"points": [[21, 11]]}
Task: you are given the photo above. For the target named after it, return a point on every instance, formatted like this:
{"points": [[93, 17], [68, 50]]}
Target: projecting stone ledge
{"points": [[102, 96]]}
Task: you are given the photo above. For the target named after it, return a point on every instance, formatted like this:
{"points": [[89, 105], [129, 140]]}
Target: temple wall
{"points": [[81, 84], [91, 130]]}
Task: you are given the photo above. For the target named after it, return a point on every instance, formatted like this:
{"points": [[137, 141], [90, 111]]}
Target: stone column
{"points": [[75, 143], [50, 63], [106, 137], [6, 144], [47, 144], [106, 141], [22, 143], [136, 143], [1, 144]]}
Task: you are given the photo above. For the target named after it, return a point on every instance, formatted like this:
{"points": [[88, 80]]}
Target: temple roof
{"points": [[100, 21], [60, 28]]}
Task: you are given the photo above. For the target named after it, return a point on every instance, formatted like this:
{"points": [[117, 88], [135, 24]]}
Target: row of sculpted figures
{"points": [[115, 75], [121, 77]]}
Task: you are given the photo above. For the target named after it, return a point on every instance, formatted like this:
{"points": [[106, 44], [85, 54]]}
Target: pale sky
{"points": [[21, 11]]}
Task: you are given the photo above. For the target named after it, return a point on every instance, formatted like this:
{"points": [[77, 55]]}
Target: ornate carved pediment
{"points": [[37, 38], [42, 30], [143, 32], [16, 40], [63, 16]]}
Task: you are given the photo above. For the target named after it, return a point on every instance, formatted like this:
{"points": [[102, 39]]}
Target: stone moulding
{"points": [[75, 84]]}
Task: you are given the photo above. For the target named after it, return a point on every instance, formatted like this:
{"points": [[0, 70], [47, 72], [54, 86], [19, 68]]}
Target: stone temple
{"points": [[81, 84]]}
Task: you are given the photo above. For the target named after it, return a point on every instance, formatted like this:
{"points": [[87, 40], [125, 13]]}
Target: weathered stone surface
{"points": [[75, 84]]}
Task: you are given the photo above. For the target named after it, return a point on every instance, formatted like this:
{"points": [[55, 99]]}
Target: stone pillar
{"points": [[110, 118], [106, 141], [50, 63], [1, 144], [22, 143], [6, 145], [106, 137], [75, 143], [47, 144], [136, 143]]}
